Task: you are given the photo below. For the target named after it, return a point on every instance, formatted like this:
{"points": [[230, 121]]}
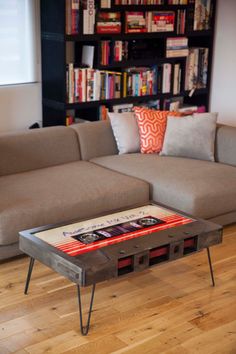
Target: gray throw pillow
{"points": [[125, 130], [191, 137]]}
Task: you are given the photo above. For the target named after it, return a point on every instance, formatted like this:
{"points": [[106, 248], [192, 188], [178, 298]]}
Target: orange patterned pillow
{"points": [[152, 127]]}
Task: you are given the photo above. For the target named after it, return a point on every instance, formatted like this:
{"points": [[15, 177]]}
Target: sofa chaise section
{"points": [[201, 188], [46, 185]]}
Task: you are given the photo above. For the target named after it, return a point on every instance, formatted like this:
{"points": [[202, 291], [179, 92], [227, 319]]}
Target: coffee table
{"points": [[109, 246]]}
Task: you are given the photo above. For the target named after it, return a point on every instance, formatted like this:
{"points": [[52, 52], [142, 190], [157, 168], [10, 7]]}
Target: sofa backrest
{"points": [[226, 145], [96, 139], [37, 148]]}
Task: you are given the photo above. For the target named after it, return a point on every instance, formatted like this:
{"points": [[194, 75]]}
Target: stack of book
{"points": [[196, 68], [135, 22], [108, 22], [72, 16], [177, 47], [88, 16], [87, 84], [140, 81], [139, 2], [160, 21]]}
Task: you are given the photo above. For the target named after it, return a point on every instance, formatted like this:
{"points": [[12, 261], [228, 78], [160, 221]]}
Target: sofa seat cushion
{"points": [[61, 193], [201, 188]]}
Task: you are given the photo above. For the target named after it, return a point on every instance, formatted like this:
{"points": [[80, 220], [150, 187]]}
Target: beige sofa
{"points": [[57, 174]]}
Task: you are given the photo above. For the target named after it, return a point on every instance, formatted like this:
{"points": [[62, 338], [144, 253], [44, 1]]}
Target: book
{"points": [[166, 78], [88, 55], [202, 15], [177, 79], [88, 16]]}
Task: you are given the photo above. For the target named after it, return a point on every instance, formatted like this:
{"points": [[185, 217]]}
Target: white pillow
{"points": [[191, 136], [125, 130]]}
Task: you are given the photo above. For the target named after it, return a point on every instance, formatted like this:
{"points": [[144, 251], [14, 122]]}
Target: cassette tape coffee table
{"points": [[91, 251]]}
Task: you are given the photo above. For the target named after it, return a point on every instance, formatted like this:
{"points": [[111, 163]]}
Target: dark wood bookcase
{"points": [[55, 43]]}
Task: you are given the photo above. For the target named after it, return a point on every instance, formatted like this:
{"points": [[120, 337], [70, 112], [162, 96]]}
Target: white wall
{"points": [[20, 105], [223, 91]]}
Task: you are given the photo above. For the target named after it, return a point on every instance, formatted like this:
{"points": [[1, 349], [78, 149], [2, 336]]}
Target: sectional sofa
{"points": [[58, 174]]}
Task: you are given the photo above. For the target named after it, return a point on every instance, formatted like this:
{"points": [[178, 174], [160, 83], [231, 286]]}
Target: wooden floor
{"points": [[171, 308]]}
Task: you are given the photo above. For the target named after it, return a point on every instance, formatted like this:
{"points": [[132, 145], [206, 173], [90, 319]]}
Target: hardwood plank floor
{"points": [[170, 309]]}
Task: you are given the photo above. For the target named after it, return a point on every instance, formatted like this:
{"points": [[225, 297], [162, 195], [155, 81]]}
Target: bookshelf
{"points": [[145, 50]]}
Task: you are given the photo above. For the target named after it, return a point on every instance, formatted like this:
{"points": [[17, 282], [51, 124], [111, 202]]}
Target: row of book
{"points": [[140, 81], [196, 68], [119, 51], [150, 81], [181, 21], [72, 16], [116, 51], [199, 17], [87, 84]]}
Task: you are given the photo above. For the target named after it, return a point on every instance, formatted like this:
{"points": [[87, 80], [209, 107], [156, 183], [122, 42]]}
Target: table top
{"points": [[95, 245]]}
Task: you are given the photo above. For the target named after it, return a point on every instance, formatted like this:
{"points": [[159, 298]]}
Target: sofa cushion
{"points": [[152, 126], [226, 145], [38, 148], [125, 129], [192, 137], [61, 193], [201, 188], [96, 139]]}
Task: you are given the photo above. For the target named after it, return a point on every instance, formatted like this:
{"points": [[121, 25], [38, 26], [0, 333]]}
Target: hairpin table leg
{"points": [[210, 265], [31, 265], [85, 329]]}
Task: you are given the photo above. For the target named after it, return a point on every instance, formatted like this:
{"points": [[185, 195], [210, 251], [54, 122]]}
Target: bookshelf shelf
{"points": [[60, 48], [76, 105]]}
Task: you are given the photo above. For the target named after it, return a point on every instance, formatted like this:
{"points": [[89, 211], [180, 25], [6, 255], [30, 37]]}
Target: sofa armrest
{"points": [[96, 139], [226, 145]]}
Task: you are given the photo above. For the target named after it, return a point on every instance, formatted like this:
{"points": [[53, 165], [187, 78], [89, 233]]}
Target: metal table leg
{"points": [[31, 265], [85, 329], [210, 265]]}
